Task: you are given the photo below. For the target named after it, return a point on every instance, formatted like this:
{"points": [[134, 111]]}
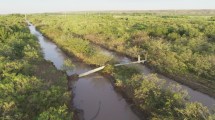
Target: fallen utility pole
{"points": [[102, 67], [91, 71]]}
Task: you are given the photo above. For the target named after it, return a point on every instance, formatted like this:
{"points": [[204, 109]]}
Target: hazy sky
{"points": [[32, 6]]}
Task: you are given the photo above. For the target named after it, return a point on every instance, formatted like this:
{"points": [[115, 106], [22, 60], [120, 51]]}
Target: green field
{"points": [[179, 46]]}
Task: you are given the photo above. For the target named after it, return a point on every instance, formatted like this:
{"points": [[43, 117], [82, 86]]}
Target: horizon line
{"points": [[132, 10]]}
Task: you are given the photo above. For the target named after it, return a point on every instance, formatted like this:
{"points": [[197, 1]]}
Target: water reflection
{"points": [[93, 94]]}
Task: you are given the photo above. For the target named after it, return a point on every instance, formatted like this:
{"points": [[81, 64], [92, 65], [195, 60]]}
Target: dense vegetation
{"points": [[181, 47], [76, 46], [150, 97], [30, 87], [175, 45]]}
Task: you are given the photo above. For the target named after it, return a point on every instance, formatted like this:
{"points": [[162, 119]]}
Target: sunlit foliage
{"points": [[30, 87], [179, 46]]}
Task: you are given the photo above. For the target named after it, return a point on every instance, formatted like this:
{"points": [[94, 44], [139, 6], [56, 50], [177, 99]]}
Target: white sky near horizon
{"points": [[39, 6]]}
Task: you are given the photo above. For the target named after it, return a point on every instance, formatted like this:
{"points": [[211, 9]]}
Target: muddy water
{"points": [[93, 94], [195, 96]]}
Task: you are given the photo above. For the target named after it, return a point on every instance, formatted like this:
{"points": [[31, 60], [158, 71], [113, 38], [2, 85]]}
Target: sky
{"points": [[40, 6]]}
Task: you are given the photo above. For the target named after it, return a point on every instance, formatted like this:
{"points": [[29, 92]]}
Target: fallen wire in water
{"points": [[97, 113]]}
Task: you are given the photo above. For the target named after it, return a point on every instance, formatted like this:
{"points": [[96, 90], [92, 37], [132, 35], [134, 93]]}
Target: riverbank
{"points": [[159, 90], [194, 82], [47, 72], [111, 78], [30, 87], [135, 108], [188, 81], [120, 106]]}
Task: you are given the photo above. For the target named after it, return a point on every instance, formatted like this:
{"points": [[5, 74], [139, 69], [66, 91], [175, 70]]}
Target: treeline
{"points": [[30, 87], [182, 47], [126, 35]]}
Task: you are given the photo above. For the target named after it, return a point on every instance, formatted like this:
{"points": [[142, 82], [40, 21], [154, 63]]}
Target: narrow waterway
{"points": [[195, 96], [93, 94]]}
